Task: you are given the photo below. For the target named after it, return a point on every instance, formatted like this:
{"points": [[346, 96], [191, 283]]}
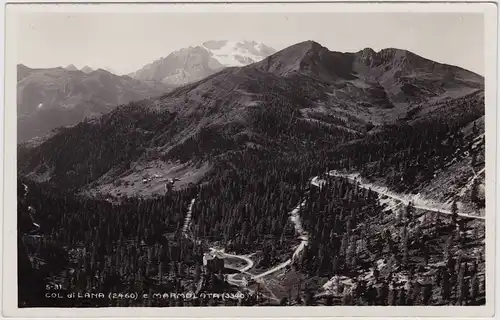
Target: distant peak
{"points": [[308, 45], [367, 55], [393, 55], [394, 52], [311, 43], [303, 47], [367, 51], [71, 67], [87, 69], [189, 50]]}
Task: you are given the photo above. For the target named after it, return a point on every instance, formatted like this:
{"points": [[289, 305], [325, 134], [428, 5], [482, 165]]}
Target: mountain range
{"points": [[86, 69], [304, 91], [51, 98], [195, 63], [55, 97]]}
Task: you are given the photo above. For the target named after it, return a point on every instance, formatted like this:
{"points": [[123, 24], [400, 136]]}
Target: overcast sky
{"points": [[124, 42]]}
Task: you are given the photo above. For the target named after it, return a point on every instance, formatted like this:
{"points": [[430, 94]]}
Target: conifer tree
{"points": [[405, 246], [402, 297], [474, 289], [462, 290], [454, 213], [426, 294], [393, 296], [409, 212], [445, 285]]}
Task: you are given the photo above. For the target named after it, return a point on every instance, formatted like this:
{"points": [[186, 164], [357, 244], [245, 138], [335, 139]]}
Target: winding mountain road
{"points": [[249, 265], [242, 282], [303, 235], [304, 241], [273, 270], [295, 218], [417, 203]]}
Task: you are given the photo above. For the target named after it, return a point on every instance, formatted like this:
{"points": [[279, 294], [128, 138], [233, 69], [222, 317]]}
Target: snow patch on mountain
{"points": [[194, 63], [238, 53]]}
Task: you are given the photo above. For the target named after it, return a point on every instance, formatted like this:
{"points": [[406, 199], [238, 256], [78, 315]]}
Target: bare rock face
{"points": [[195, 63]]}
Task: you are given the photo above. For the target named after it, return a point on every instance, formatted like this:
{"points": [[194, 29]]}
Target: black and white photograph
{"points": [[190, 158]]}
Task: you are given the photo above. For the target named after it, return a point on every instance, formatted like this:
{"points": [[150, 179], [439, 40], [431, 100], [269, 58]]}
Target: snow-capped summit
{"points": [[238, 53], [197, 62]]}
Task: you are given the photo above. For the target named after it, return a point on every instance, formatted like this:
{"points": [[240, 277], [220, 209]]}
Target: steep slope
{"points": [[180, 67], [195, 63], [436, 155], [49, 98], [463, 173], [303, 102]]}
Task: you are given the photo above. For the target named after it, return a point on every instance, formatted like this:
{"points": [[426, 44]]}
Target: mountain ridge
{"points": [[54, 97], [299, 88], [197, 62]]}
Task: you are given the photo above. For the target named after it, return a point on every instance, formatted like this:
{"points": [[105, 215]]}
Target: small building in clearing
{"points": [[213, 262]]}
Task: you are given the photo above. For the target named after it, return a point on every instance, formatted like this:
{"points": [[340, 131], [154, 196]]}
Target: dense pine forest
{"points": [[136, 245]]}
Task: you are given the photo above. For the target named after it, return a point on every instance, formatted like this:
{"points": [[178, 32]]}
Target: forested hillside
{"points": [[282, 103], [350, 233]]}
